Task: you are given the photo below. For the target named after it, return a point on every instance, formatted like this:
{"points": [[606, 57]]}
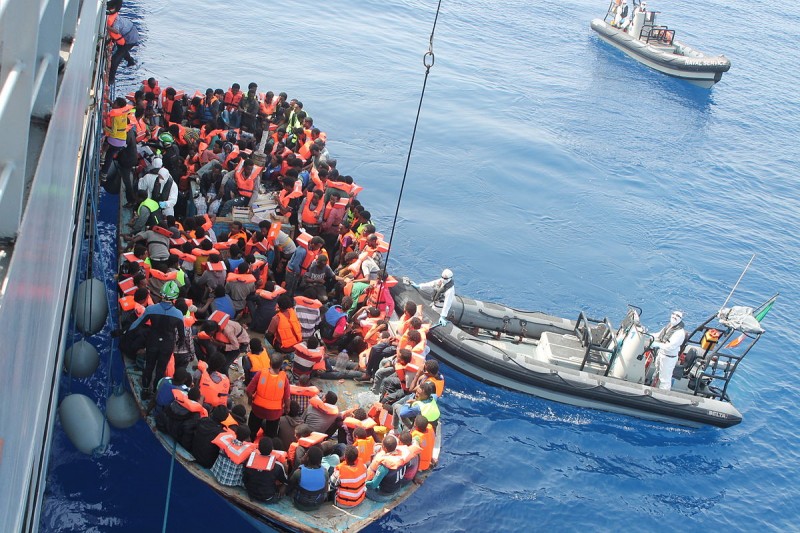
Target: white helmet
{"points": [[157, 162], [447, 274]]}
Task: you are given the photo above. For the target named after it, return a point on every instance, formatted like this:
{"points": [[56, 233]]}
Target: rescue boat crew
{"points": [[443, 290], [668, 342]]}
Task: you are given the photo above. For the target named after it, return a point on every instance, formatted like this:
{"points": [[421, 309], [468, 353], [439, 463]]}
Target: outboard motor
{"points": [[629, 364]]}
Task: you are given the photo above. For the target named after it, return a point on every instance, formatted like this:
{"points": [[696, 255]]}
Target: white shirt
{"points": [[449, 294]]}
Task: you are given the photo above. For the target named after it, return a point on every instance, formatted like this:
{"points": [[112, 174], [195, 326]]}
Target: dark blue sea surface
{"points": [[550, 172]]}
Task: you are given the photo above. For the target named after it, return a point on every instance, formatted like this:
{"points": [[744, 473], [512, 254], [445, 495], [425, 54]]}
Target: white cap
{"points": [[157, 163], [164, 173], [447, 274]]}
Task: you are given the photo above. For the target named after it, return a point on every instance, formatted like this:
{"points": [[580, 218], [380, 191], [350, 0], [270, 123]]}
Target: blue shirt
{"points": [[296, 262], [224, 304]]}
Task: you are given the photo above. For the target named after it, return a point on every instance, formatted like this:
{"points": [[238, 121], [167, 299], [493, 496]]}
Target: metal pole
{"points": [[737, 283]]}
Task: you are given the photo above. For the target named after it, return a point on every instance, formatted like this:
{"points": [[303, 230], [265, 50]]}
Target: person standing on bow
{"points": [[443, 289], [668, 341]]}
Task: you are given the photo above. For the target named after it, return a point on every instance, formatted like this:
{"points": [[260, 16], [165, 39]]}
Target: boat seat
{"points": [[556, 348]]}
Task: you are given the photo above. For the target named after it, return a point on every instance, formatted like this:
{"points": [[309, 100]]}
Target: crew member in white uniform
{"points": [[163, 178], [668, 342], [445, 288]]}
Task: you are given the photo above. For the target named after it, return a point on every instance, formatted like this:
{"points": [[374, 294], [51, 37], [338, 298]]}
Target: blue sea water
{"points": [[552, 172]]}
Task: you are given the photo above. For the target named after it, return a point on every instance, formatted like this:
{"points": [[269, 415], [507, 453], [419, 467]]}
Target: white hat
{"points": [[163, 172], [157, 163], [447, 274], [677, 313]]}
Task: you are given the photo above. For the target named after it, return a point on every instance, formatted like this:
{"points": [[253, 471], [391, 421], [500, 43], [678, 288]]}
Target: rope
{"points": [[169, 485], [427, 61]]}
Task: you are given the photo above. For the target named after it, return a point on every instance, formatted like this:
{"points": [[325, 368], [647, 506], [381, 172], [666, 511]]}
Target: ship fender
{"points": [[81, 359], [91, 306], [121, 409], [84, 424]]}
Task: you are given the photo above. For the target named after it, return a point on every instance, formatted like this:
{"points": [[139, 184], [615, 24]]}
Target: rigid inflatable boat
{"points": [[588, 362], [655, 45]]}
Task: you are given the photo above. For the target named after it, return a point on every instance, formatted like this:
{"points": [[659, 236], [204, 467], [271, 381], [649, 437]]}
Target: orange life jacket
{"points": [[231, 100], [380, 415], [305, 442], [147, 89], [261, 462], [241, 278], [269, 391], [426, 440], [127, 286], [282, 457], [328, 409], [297, 390], [353, 423], [345, 249], [118, 39], [183, 256], [352, 484], [259, 362], [308, 358], [238, 453], [127, 303], [311, 215], [190, 405], [246, 184], [366, 447], [163, 276], [214, 392], [288, 332]]}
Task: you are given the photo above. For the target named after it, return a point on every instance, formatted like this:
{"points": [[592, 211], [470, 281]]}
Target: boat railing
{"points": [[658, 34], [713, 366], [598, 339], [610, 13]]}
